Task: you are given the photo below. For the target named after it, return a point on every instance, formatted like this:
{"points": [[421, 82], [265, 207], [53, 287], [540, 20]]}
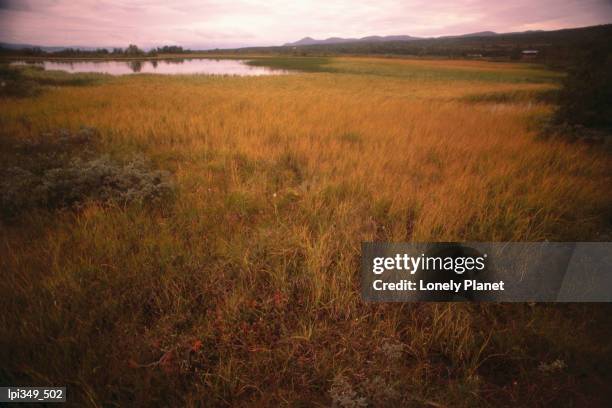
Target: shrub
{"points": [[13, 84], [586, 97], [343, 395], [100, 179], [58, 175]]}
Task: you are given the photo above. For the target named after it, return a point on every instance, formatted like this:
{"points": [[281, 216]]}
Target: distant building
{"points": [[529, 54], [474, 55]]}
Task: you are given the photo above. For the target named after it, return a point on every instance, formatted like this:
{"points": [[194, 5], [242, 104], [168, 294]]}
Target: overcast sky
{"points": [[233, 23]]}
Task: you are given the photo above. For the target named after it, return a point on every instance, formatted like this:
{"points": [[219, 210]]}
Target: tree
{"points": [[133, 50]]}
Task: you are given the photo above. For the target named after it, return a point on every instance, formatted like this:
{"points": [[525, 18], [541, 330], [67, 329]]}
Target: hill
{"points": [[338, 40], [554, 47]]}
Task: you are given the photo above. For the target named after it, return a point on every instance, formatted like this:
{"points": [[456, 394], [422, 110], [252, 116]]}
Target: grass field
{"points": [[241, 288]]}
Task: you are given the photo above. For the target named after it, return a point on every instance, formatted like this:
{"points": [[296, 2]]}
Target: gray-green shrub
{"points": [[60, 172]]}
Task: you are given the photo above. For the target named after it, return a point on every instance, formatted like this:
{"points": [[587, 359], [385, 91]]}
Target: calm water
{"points": [[168, 67]]}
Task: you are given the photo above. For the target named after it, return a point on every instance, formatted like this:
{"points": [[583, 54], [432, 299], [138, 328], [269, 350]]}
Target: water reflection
{"points": [[168, 67], [136, 66]]}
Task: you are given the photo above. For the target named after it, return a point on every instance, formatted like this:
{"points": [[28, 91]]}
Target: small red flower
{"points": [[278, 299], [196, 346], [168, 363]]}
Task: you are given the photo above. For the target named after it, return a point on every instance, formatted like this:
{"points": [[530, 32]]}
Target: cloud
{"points": [[14, 5], [224, 23]]}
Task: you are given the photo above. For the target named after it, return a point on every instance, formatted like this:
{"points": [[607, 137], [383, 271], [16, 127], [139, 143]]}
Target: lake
{"points": [[166, 67]]}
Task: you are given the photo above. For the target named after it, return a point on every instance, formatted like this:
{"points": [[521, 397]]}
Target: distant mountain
{"points": [[391, 38], [557, 47], [378, 38], [303, 41], [478, 34], [338, 40]]}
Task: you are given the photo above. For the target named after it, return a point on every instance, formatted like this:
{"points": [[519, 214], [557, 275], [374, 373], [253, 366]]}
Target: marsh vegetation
{"points": [[241, 287]]}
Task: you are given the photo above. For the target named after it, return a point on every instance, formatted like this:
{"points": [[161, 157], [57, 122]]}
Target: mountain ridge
{"points": [[390, 38], [339, 40]]}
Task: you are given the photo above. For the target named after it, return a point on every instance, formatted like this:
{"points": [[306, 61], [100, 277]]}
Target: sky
{"points": [[203, 24]]}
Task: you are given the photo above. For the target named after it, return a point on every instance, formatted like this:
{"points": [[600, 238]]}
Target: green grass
{"points": [[23, 81], [516, 96], [415, 72], [305, 64], [394, 67], [61, 78]]}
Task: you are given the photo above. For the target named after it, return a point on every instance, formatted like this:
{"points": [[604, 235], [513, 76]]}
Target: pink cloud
{"points": [[226, 23]]}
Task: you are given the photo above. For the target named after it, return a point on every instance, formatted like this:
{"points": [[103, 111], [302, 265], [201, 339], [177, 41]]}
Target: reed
{"points": [[243, 289]]}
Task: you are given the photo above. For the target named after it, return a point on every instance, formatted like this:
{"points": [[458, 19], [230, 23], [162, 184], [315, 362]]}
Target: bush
{"points": [[586, 97], [58, 175], [13, 84]]}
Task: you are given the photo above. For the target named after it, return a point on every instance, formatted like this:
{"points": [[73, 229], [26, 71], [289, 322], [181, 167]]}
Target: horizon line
{"points": [[3, 42]]}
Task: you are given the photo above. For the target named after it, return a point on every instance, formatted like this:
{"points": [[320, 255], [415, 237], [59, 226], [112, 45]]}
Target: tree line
{"points": [[130, 51]]}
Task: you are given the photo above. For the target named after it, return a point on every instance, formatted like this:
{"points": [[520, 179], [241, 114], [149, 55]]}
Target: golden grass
{"points": [[279, 180]]}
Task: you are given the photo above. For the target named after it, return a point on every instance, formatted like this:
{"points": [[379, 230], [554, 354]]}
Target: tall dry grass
{"points": [[243, 290]]}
